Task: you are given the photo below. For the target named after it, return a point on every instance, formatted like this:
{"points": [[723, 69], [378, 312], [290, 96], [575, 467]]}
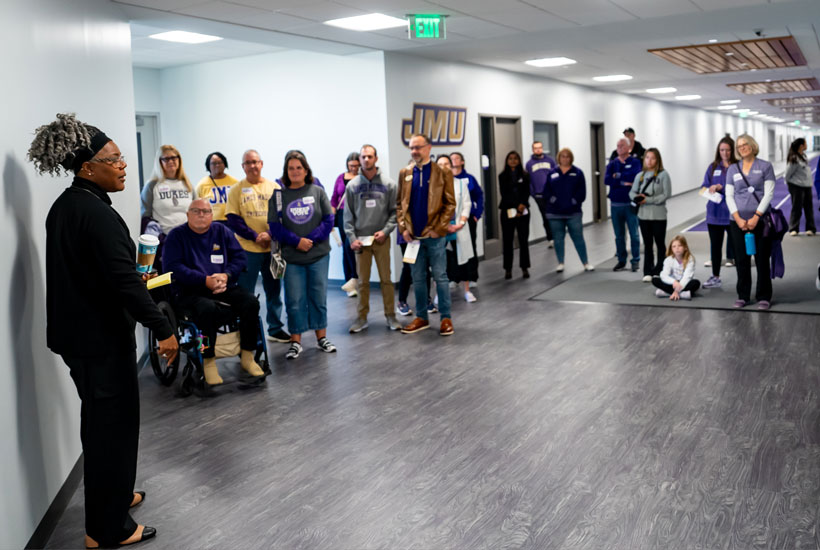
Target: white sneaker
{"points": [[589, 267], [550, 244], [685, 295], [560, 268], [352, 293], [647, 278], [793, 233], [473, 284], [469, 297], [660, 293], [707, 263], [729, 263], [809, 233], [350, 286]]}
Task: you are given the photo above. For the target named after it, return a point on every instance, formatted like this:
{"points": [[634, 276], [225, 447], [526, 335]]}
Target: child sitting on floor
{"points": [[677, 276]]}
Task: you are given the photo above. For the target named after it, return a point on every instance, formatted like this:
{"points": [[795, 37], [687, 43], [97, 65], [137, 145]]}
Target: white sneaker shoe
{"points": [[809, 233], [560, 268], [647, 278], [660, 293], [685, 295], [350, 286], [793, 233], [589, 267], [469, 297], [707, 263], [352, 293], [550, 244]]}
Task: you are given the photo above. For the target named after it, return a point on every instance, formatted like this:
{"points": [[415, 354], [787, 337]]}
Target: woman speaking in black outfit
{"points": [[514, 187], [94, 295]]}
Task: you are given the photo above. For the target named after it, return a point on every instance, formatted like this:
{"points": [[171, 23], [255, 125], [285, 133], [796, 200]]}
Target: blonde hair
{"points": [[751, 141], [687, 254], [159, 174]]}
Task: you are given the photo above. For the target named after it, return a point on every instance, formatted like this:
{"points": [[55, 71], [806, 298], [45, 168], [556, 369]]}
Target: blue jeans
{"points": [[306, 295], [622, 216], [260, 261], [573, 225], [432, 253]]}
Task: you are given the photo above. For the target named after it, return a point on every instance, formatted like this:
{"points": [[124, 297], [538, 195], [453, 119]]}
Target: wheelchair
{"points": [[191, 345]]}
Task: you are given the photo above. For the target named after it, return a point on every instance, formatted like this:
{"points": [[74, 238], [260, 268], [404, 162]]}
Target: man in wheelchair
{"points": [[206, 260]]}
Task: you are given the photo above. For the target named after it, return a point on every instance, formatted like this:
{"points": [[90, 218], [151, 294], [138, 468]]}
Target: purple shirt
{"points": [[539, 168], [717, 213]]}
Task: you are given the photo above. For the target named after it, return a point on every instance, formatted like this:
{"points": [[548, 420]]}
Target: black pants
{"points": [[801, 204], [653, 231], [691, 286], [508, 228], [542, 207], [406, 278], [716, 233], [109, 432], [743, 264], [348, 256], [209, 314]]}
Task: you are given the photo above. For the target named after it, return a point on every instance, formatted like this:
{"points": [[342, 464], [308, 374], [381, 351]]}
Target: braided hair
{"points": [[65, 143]]}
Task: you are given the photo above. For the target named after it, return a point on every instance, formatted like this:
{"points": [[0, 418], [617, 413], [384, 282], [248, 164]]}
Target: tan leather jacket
{"points": [[441, 201]]}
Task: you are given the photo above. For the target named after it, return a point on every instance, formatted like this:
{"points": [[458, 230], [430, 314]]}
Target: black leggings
{"points": [[691, 286], [716, 233], [801, 204], [653, 231]]}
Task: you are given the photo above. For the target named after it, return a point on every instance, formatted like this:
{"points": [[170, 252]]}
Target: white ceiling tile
{"points": [[479, 7], [274, 5], [220, 11], [528, 18], [166, 5], [657, 8], [585, 12], [710, 5], [323, 11]]}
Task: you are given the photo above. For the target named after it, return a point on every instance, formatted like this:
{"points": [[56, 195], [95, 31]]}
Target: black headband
{"points": [[75, 159]]}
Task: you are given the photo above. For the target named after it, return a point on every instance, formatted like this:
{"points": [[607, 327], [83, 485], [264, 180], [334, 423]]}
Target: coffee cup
{"points": [[146, 251]]}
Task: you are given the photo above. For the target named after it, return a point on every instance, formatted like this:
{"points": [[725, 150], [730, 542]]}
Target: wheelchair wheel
{"points": [[164, 371]]}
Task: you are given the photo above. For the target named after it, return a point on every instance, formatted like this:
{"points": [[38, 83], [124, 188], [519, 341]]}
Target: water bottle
{"points": [[751, 250]]}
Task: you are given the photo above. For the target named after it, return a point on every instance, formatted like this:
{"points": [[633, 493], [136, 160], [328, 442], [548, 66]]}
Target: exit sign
{"points": [[427, 27]]}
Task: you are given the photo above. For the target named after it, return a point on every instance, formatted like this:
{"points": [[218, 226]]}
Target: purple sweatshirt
{"points": [[539, 168]]}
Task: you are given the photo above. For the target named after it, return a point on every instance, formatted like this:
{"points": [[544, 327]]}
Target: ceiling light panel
{"points": [[369, 22], [551, 62], [185, 37], [667, 90], [612, 78]]}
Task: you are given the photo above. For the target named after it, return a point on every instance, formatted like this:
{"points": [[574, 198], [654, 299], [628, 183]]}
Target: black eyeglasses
{"points": [[201, 211], [168, 159]]}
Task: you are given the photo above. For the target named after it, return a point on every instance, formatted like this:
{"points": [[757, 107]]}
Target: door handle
{"points": [[597, 173]]}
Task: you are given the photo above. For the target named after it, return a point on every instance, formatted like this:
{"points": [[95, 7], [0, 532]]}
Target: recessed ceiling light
{"points": [[726, 107], [728, 101], [752, 113], [369, 22], [729, 54], [687, 97], [667, 90], [768, 80], [712, 40], [185, 37], [551, 62], [612, 78], [741, 110]]}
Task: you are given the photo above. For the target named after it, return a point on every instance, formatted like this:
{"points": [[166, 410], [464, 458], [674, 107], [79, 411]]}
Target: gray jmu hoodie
{"points": [[370, 205]]}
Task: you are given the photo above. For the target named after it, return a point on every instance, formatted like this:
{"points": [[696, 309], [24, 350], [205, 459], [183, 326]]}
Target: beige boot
{"points": [[248, 363], [211, 372]]}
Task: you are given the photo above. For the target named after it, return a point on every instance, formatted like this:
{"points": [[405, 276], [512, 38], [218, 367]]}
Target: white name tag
{"points": [[554, 176], [308, 200], [370, 203], [717, 172], [757, 171], [573, 175], [750, 189], [737, 177], [411, 252], [247, 190], [163, 188], [217, 259], [627, 166]]}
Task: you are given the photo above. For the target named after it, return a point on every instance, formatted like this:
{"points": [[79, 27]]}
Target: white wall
{"points": [[68, 56], [147, 92], [324, 105], [686, 137]]}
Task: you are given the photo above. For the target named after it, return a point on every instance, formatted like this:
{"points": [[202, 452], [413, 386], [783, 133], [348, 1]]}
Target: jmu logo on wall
{"points": [[443, 125]]}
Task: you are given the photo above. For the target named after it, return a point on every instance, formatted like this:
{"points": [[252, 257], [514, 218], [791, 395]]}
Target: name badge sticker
{"points": [[247, 190], [217, 259], [370, 203], [163, 188], [737, 177], [750, 189], [757, 171], [718, 172], [554, 176], [309, 200]]}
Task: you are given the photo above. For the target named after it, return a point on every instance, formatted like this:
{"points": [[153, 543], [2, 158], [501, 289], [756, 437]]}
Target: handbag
{"points": [[277, 262], [634, 206]]}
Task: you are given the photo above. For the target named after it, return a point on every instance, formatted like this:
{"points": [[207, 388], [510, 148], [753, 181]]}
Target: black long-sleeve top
{"points": [[514, 187], [93, 291]]}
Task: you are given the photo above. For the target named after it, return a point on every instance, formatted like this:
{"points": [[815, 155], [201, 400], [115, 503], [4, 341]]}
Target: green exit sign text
{"points": [[427, 27]]}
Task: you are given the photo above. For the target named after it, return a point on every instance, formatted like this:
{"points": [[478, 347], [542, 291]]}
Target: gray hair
{"points": [[54, 144]]}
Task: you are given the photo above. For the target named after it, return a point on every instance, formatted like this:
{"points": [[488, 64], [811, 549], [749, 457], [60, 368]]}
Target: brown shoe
{"points": [[446, 327], [416, 325]]}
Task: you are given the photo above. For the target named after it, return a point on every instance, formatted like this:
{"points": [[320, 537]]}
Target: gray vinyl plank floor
{"points": [[538, 425]]}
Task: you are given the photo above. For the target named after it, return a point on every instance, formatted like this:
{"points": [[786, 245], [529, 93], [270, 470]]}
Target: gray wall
{"points": [[67, 56]]}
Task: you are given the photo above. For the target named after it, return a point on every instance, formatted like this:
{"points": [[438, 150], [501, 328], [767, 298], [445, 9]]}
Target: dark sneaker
{"points": [[325, 345], [635, 266], [431, 307], [416, 325], [279, 336], [404, 309], [294, 351], [619, 266]]}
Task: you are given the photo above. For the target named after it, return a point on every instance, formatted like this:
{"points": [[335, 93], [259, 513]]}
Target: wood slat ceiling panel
{"points": [[744, 55], [804, 100], [777, 86]]}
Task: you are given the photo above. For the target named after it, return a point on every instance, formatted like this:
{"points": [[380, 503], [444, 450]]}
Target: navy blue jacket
{"points": [[564, 192], [618, 172]]}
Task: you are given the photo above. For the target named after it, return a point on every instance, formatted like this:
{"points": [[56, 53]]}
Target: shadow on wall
{"points": [[33, 377]]}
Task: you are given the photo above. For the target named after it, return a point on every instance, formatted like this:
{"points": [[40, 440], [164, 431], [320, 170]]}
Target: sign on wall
{"points": [[442, 124]]}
